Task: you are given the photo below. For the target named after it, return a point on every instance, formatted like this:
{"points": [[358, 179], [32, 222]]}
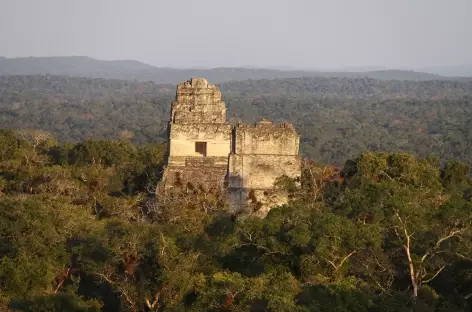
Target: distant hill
{"points": [[450, 71], [78, 66]]}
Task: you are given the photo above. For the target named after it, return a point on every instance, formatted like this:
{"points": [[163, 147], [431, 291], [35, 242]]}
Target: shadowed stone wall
{"points": [[261, 154]]}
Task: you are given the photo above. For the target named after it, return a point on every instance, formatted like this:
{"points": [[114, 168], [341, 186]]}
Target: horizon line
{"points": [[348, 68]]}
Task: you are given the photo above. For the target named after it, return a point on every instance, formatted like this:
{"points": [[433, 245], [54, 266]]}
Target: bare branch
{"points": [[346, 257], [131, 303], [59, 285], [434, 276], [463, 257], [452, 233], [155, 303], [413, 276], [337, 267]]}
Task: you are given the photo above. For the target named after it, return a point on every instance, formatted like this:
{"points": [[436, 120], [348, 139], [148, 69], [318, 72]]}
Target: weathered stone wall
{"points": [[182, 138], [209, 177], [198, 115], [260, 171], [266, 138], [251, 181], [198, 101], [261, 154], [256, 203]]}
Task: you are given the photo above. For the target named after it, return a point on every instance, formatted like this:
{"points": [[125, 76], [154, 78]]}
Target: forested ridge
{"points": [[81, 229], [338, 118], [80, 66]]}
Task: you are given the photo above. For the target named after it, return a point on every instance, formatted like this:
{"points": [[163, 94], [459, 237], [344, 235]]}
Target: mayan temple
{"points": [[245, 160]]}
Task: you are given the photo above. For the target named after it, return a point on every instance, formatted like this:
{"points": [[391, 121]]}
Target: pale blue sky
{"points": [[212, 33]]}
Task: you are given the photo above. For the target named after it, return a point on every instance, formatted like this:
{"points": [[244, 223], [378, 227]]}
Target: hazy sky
{"points": [[212, 33]]}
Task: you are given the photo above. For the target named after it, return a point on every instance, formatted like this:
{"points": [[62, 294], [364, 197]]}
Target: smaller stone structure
{"points": [[261, 154]]}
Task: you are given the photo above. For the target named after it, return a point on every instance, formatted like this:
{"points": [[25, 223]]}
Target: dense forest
{"points": [[82, 230], [79, 66], [338, 118]]}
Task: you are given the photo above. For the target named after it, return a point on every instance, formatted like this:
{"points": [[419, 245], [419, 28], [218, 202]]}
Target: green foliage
{"points": [[337, 118], [11, 146], [83, 230], [106, 153], [455, 175], [56, 303]]}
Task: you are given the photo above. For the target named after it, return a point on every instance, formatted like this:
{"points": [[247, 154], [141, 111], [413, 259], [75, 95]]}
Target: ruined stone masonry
{"points": [[205, 149]]}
